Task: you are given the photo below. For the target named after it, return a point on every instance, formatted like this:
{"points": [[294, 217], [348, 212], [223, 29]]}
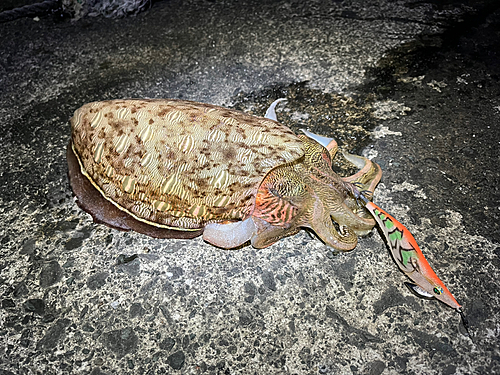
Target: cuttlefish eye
{"points": [[438, 290]]}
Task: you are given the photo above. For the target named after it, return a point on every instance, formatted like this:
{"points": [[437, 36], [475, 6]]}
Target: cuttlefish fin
{"points": [[271, 111], [329, 143]]}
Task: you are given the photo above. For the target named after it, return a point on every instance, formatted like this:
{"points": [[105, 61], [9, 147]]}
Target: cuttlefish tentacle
{"points": [[330, 198], [357, 221], [365, 180], [267, 234], [350, 212], [368, 176], [369, 173], [320, 220]]}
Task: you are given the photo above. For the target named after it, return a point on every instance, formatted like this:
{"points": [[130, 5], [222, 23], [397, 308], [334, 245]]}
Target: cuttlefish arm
{"points": [[410, 259]]}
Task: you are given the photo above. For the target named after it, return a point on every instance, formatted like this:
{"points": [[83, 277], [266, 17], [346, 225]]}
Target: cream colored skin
{"points": [[327, 203], [188, 166], [182, 168], [257, 231]]}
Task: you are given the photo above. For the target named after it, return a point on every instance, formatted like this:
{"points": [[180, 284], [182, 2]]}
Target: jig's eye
{"points": [[438, 290]]}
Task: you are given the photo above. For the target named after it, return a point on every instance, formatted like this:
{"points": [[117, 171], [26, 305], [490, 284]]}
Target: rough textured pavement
{"points": [[412, 84]]}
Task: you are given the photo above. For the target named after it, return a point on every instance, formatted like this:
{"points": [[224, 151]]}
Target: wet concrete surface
{"points": [[414, 85]]}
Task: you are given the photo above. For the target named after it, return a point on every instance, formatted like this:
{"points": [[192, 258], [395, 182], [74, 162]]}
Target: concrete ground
{"points": [[412, 84]]}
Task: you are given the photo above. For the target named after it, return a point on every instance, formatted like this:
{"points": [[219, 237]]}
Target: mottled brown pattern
{"points": [[307, 193], [188, 178]]}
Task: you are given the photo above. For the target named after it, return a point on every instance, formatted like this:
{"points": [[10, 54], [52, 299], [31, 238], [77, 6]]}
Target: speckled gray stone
{"points": [[97, 280], [176, 360], [121, 341], [51, 273], [414, 85], [53, 335], [35, 305]]}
